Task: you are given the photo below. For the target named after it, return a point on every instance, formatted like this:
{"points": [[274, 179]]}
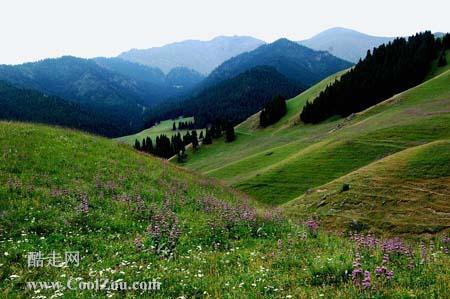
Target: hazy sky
{"points": [[35, 29]]}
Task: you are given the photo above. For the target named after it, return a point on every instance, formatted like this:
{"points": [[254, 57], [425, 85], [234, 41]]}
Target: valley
{"points": [[228, 166]]}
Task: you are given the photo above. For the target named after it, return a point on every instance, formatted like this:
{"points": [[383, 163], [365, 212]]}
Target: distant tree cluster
{"points": [[166, 147], [220, 129], [19, 104], [389, 69], [273, 111], [183, 125], [232, 100]]}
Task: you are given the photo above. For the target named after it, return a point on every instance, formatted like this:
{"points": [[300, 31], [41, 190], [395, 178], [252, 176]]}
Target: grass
{"points": [[61, 190], [164, 127], [405, 193], [281, 163]]}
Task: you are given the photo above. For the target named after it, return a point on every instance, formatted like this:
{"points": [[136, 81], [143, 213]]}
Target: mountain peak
{"points": [[344, 43], [201, 56]]}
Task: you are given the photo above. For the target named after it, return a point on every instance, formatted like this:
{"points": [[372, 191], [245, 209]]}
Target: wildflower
{"points": [[423, 252], [312, 226], [164, 231], [368, 241], [280, 245], [366, 283], [138, 243], [84, 208], [357, 271], [446, 243], [384, 272]]}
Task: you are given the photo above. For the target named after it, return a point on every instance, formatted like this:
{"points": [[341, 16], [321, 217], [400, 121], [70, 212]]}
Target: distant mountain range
{"points": [[298, 63], [243, 84], [177, 80], [345, 43], [232, 100], [201, 56], [121, 91], [121, 98], [142, 85], [19, 104]]}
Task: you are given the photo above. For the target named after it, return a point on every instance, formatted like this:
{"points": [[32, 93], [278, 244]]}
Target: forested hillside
{"points": [[387, 70], [29, 105], [121, 99], [232, 100], [302, 65]]}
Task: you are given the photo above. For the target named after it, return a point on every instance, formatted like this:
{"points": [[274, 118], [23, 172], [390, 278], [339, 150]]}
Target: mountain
{"points": [[387, 70], [132, 70], [179, 79], [384, 169], [345, 43], [64, 192], [33, 106], [121, 98], [232, 100], [183, 78], [201, 56], [300, 64]]}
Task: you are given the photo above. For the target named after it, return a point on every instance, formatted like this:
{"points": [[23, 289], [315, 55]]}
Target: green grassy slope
{"points": [[407, 192], [221, 251], [164, 127], [280, 163]]}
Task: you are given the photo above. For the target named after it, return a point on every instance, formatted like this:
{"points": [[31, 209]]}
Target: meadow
{"points": [[289, 161], [133, 217], [163, 127]]}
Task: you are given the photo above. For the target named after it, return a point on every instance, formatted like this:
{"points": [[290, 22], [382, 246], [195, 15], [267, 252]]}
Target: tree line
{"points": [[166, 147], [183, 125], [273, 111], [387, 70], [232, 100]]}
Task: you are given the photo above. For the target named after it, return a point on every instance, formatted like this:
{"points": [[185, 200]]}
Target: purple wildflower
{"points": [[164, 230], [368, 241], [357, 272], [423, 252], [84, 207], [366, 283], [384, 272], [312, 226]]}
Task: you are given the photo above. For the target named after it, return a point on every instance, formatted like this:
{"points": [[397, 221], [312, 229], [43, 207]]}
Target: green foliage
{"points": [[46, 177], [33, 106], [273, 111], [230, 136], [390, 69], [292, 162], [231, 100]]}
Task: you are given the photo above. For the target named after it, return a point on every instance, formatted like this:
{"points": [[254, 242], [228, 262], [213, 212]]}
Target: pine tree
{"points": [[446, 41], [208, 137], [389, 69], [144, 145], [229, 133], [442, 60], [201, 135], [137, 145], [174, 127], [194, 140], [273, 111], [149, 145]]}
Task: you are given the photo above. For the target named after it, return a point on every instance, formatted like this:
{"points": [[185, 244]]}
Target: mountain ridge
{"points": [[201, 56], [345, 43]]}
